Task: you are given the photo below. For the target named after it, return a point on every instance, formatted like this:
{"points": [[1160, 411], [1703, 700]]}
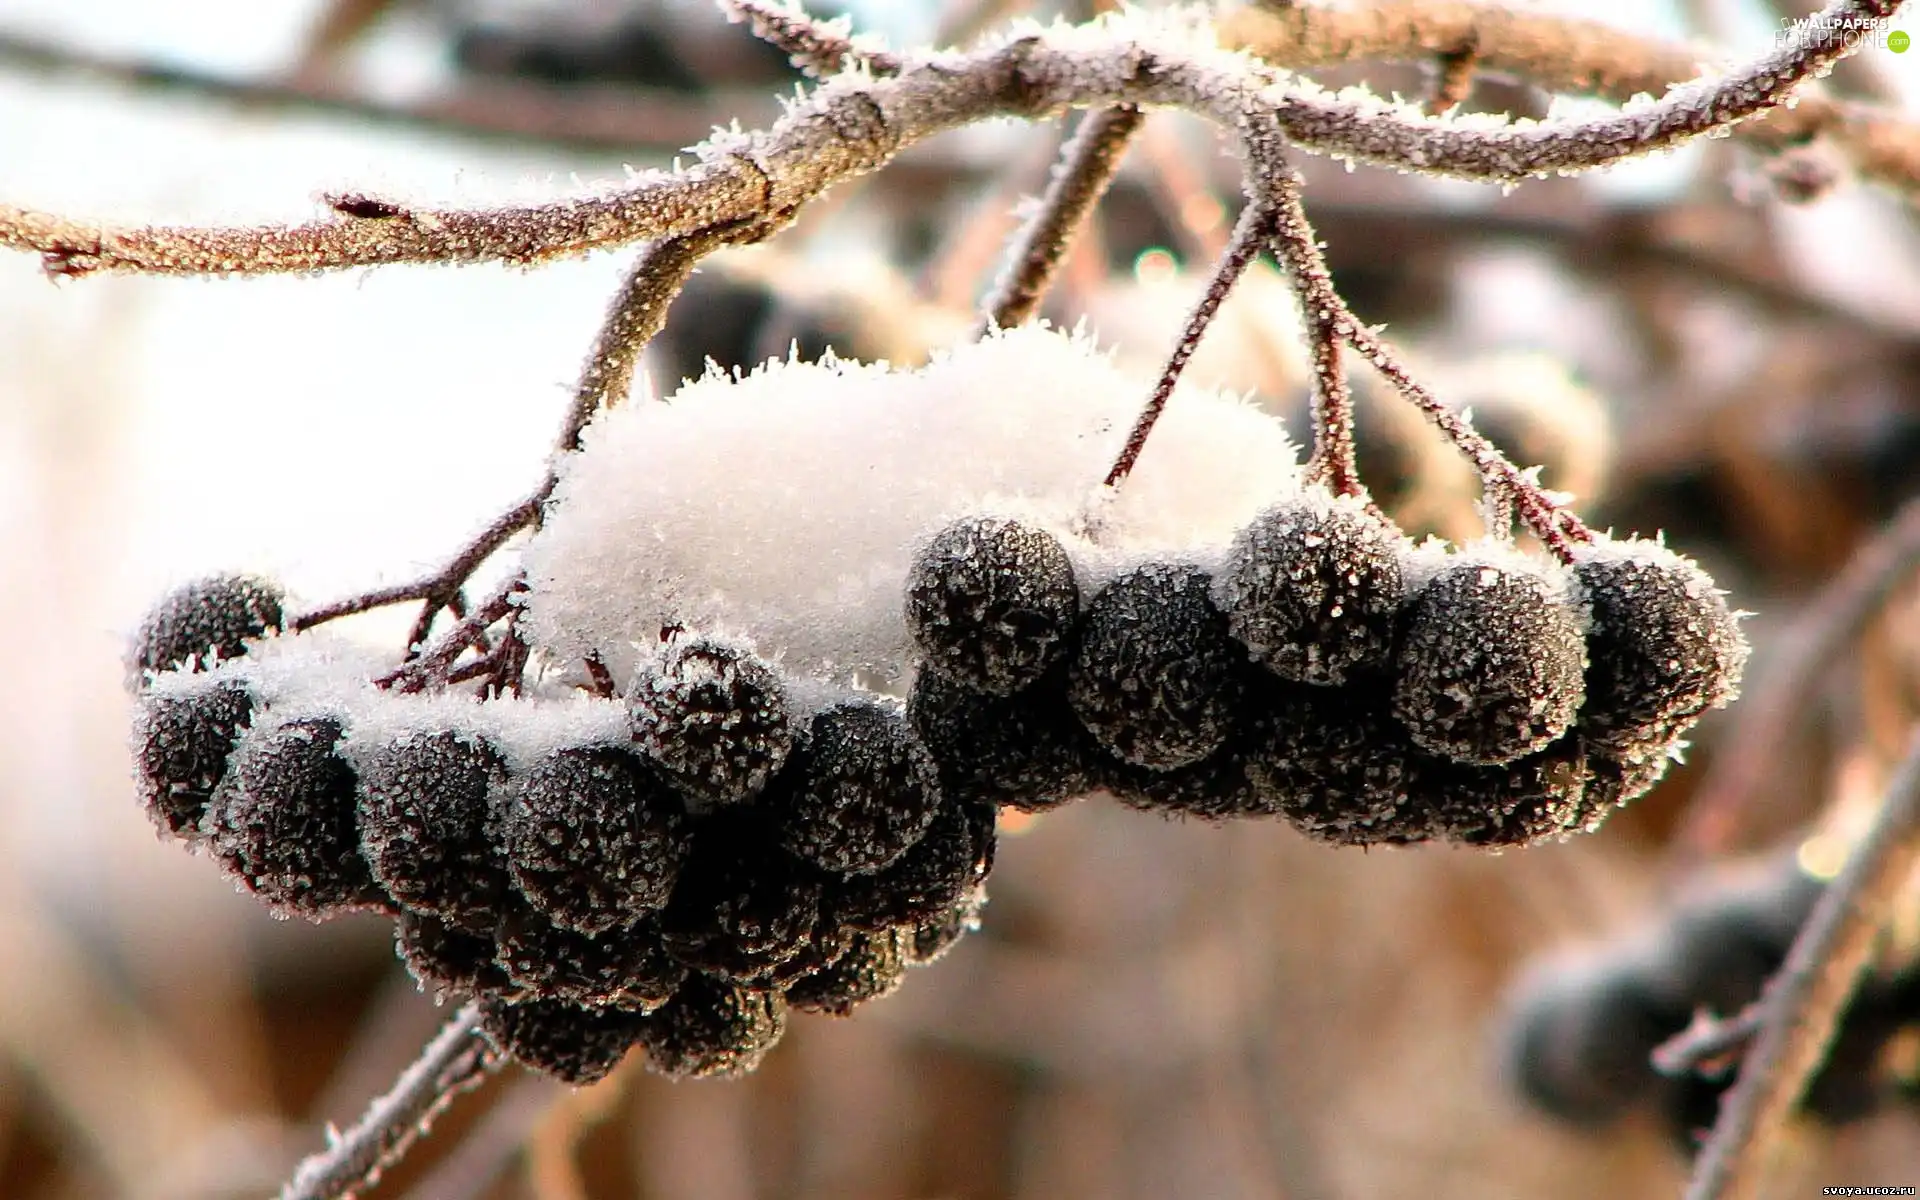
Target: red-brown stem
{"points": [[431, 665]]}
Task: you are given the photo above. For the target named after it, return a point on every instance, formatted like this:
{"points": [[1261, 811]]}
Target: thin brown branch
{"points": [[1708, 1041], [1333, 463], [1085, 171], [855, 124], [1813, 646], [1803, 1003], [431, 666], [818, 47], [456, 1060], [1250, 235]]}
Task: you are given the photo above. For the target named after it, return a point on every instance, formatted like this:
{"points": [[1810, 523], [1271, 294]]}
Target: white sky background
{"points": [[339, 432]]}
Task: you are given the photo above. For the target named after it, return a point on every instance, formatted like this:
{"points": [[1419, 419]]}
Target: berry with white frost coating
{"points": [[593, 838], [926, 882], [204, 619], [427, 826], [743, 906], [1334, 763], [182, 743], [873, 967], [1663, 647], [712, 1029], [863, 790], [929, 941], [991, 603], [713, 719], [1026, 751], [1530, 800], [570, 1042], [1156, 677], [1313, 586], [626, 968], [282, 821], [1491, 665], [446, 961]]}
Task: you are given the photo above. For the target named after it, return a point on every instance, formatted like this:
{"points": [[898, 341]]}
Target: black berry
{"points": [[712, 1028], [626, 967], [446, 961], [182, 743], [427, 825], [926, 882], [864, 790], [202, 620], [743, 906], [874, 966], [1334, 763], [991, 603], [1533, 799], [713, 718], [572, 1043], [1026, 751]]}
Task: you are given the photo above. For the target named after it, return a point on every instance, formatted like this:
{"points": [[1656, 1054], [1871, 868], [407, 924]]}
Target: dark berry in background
{"points": [[627, 967], [743, 905], [593, 838], [1156, 677], [1578, 1039], [1026, 751], [926, 882], [1334, 763], [863, 789], [446, 961], [712, 1028], [181, 746], [991, 603], [874, 966], [713, 719], [427, 825], [205, 618], [573, 1044]]}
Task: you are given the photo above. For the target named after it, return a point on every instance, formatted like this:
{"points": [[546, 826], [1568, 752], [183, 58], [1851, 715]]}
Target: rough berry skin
{"points": [[624, 968], [1217, 788], [929, 941], [181, 747], [571, 1043], [743, 906], [1616, 782], [1578, 1043], [1026, 751], [1156, 676], [991, 603], [282, 820], [925, 883], [863, 792], [204, 618], [713, 719], [712, 1029], [1313, 588], [446, 961], [1662, 649], [873, 967], [1534, 799], [593, 839], [1334, 763], [1491, 666], [828, 942], [427, 825]]}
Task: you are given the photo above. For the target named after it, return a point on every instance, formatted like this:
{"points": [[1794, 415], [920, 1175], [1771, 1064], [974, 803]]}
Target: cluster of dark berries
{"points": [[1580, 1035], [675, 872], [1326, 671]]}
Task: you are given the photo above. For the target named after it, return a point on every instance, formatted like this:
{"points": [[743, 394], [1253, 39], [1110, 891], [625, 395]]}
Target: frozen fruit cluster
{"points": [[1323, 670], [676, 870], [1579, 1034]]}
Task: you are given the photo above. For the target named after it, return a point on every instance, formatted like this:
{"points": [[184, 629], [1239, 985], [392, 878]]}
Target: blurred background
{"points": [[1151, 1009]]}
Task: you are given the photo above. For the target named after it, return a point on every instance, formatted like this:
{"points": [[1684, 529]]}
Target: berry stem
{"points": [[820, 48], [1802, 1004], [430, 668], [1250, 235], [1299, 251], [455, 1061], [1086, 169], [1708, 1040]]}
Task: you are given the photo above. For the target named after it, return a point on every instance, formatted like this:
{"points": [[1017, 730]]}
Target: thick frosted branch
{"points": [[856, 123]]}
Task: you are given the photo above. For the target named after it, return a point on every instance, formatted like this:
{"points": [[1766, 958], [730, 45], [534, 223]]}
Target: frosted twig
{"points": [[1707, 1040], [1085, 171], [818, 47], [1250, 235], [1802, 1004], [1299, 252], [456, 1060], [1298, 248], [1814, 644], [431, 666], [854, 125]]}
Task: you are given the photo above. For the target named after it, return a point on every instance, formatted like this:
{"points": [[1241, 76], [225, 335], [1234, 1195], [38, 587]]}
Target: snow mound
{"points": [[785, 507]]}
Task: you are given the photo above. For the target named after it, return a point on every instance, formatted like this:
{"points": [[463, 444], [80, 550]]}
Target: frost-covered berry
{"points": [[1530, 800], [874, 966], [929, 941], [1578, 1039], [713, 719], [427, 825], [282, 820], [1313, 586], [1156, 676], [743, 906], [1662, 648], [1491, 664], [446, 961], [923, 884], [863, 789], [1219, 787], [1615, 781], [991, 603], [628, 967], [570, 1042], [181, 745], [593, 838], [202, 620], [1026, 751], [712, 1028], [1334, 763], [829, 941]]}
